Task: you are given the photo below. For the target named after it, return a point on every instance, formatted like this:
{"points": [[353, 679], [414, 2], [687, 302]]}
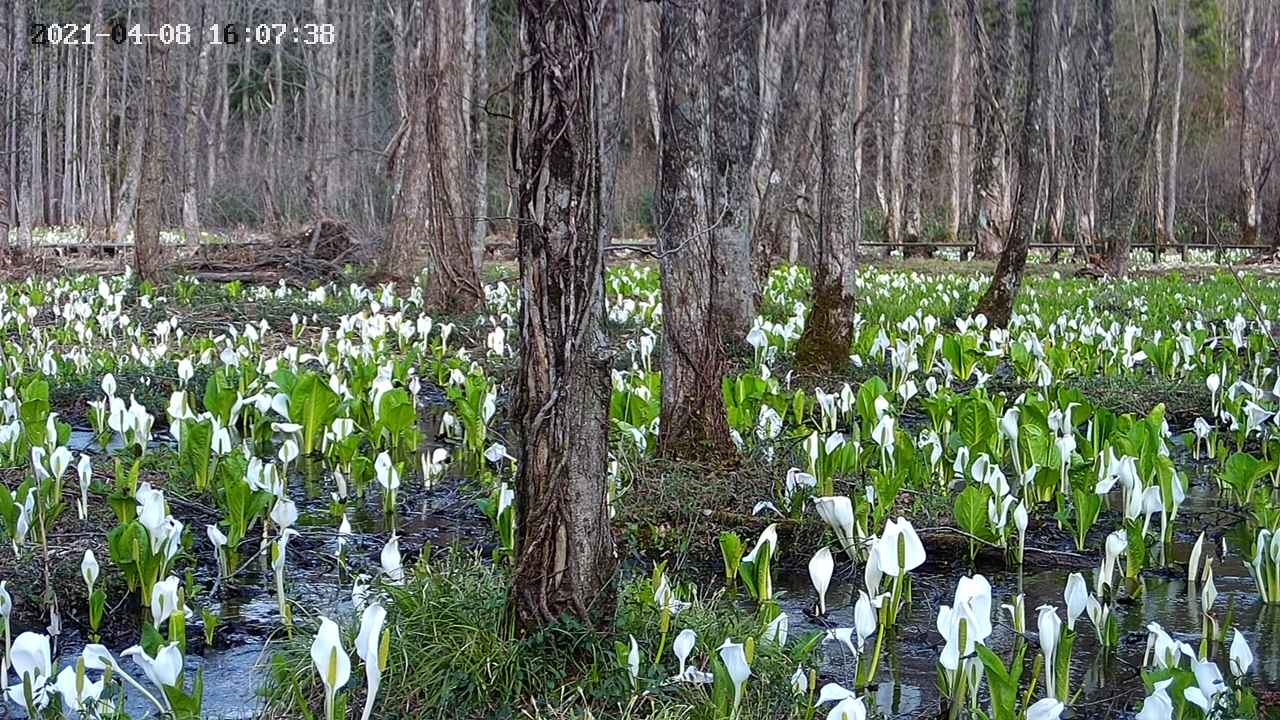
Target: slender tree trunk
{"points": [[997, 303], [433, 209], [97, 205], [957, 60], [914, 170], [828, 332], [1175, 130], [1250, 133], [1116, 262], [897, 73], [479, 128], [149, 219], [190, 143], [565, 145], [24, 127], [735, 117], [693, 359], [650, 16], [1106, 126]]}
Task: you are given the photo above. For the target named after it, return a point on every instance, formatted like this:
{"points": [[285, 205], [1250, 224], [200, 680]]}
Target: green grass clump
{"points": [[453, 654]]}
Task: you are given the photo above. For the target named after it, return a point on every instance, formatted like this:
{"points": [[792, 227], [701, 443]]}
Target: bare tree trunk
{"points": [[24, 127], [147, 225], [651, 14], [432, 209], [693, 357], [1250, 133], [1116, 262], [915, 160], [997, 302], [991, 71], [828, 332], [735, 111], [565, 144], [957, 59], [897, 73], [1175, 130], [96, 210], [478, 130], [190, 142], [1106, 126], [781, 20]]}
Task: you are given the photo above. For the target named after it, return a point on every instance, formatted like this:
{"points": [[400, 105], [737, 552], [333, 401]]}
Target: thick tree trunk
{"points": [[997, 303], [434, 204], [989, 219], [565, 144], [828, 332], [693, 356], [735, 114], [149, 218]]}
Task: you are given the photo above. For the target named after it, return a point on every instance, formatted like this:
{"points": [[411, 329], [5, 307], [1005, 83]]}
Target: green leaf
{"points": [[971, 511]]}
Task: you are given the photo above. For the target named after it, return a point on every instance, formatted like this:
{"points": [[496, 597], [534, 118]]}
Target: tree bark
{"points": [[1250, 133], [564, 151], [828, 332], [957, 170], [478, 127], [735, 115], [149, 217], [693, 419], [1116, 261], [24, 127], [989, 217], [190, 144], [1175, 130], [897, 73], [96, 211], [997, 302], [434, 203]]}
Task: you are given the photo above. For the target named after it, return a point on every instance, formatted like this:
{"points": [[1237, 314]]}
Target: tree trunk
{"points": [[989, 218], [897, 72], [1175, 131], [433, 206], [828, 332], [565, 145], [96, 214], [190, 143], [693, 358], [1250, 133], [148, 222], [1116, 262], [478, 127], [957, 172], [735, 111], [917, 103], [24, 127], [997, 302]]}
